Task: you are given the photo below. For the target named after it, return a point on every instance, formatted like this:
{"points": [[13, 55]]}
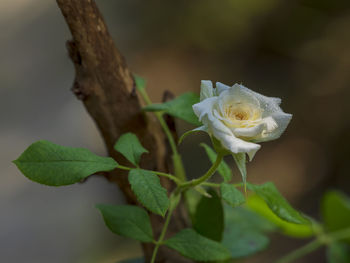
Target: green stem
{"points": [[167, 132], [178, 165], [238, 185], [323, 239], [218, 185], [206, 176], [145, 96], [340, 235], [300, 252], [174, 200], [161, 237], [179, 169], [161, 120], [122, 167], [170, 176], [180, 175], [210, 184]]}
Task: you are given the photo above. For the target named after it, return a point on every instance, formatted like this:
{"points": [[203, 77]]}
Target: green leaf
{"points": [[223, 169], [338, 253], [231, 194], [242, 244], [277, 203], [209, 217], [240, 159], [244, 233], [258, 205], [128, 221], [180, 107], [130, 147], [192, 245], [51, 164], [246, 219], [336, 211], [146, 186]]}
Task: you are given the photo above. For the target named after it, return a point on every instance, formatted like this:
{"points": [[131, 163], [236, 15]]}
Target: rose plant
{"points": [[229, 220]]}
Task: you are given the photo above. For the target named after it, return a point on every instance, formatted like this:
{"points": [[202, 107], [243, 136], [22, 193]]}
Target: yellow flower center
{"points": [[236, 113], [241, 114]]}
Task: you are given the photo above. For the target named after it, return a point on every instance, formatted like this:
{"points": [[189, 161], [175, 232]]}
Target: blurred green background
{"points": [[296, 50]]}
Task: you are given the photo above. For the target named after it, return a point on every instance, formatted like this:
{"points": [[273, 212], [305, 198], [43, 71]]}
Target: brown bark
{"points": [[106, 87]]}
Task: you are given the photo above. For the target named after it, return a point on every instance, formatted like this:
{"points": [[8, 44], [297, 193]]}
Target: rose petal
{"points": [[207, 90], [227, 138], [204, 107], [277, 100], [250, 132], [259, 131], [271, 124], [282, 119], [251, 155], [220, 87], [236, 93], [268, 104]]}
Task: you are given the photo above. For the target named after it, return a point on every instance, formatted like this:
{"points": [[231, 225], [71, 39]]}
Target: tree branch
{"points": [[106, 87]]}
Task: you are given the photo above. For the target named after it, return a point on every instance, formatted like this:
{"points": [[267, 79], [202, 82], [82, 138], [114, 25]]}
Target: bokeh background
{"points": [[296, 50]]}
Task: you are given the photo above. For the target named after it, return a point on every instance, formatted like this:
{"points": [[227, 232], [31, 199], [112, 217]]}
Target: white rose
{"points": [[239, 117]]}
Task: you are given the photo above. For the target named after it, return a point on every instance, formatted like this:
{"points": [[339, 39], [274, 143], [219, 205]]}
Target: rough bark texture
{"points": [[106, 87]]}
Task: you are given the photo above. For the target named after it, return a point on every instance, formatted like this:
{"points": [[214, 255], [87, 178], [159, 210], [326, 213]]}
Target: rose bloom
{"points": [[239, 117]]}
